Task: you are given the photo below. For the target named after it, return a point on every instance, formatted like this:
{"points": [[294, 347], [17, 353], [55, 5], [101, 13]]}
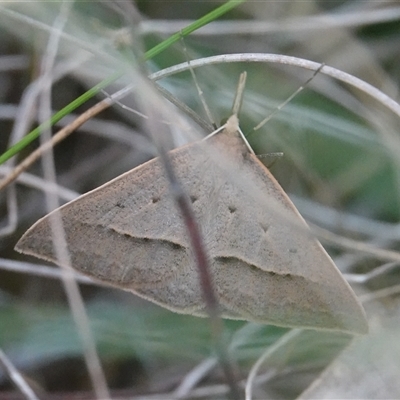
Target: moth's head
{"points": [[233, 123]]}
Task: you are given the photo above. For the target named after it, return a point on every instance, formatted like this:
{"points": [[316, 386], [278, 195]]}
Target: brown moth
{"points": [[129, 233]]}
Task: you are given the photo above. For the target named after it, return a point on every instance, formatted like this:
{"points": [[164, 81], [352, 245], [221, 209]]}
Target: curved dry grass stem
{"points": [[380, 294], [42, 271], [35, 182], [350, 222], [71, 288], [354, 245], [194, 377], [284, 340], [374, 273], [286, 60], [12, 212], [17, 378], [57, 138]]}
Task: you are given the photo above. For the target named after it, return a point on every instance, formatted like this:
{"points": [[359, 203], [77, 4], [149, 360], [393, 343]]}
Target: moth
{"points": [[129, 234]]}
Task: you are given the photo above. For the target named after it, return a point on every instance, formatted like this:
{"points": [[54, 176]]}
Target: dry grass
{"points": [[340, 167]]}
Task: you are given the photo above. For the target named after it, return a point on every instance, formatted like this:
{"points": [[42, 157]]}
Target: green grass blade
{"points": [[206, 19]]}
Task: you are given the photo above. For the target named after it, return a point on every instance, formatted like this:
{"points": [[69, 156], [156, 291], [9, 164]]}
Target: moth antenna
{"points": [[279, 108]]}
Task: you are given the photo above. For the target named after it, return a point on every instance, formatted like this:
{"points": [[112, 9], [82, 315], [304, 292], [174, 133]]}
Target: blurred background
{"points": [[340, 167]]}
